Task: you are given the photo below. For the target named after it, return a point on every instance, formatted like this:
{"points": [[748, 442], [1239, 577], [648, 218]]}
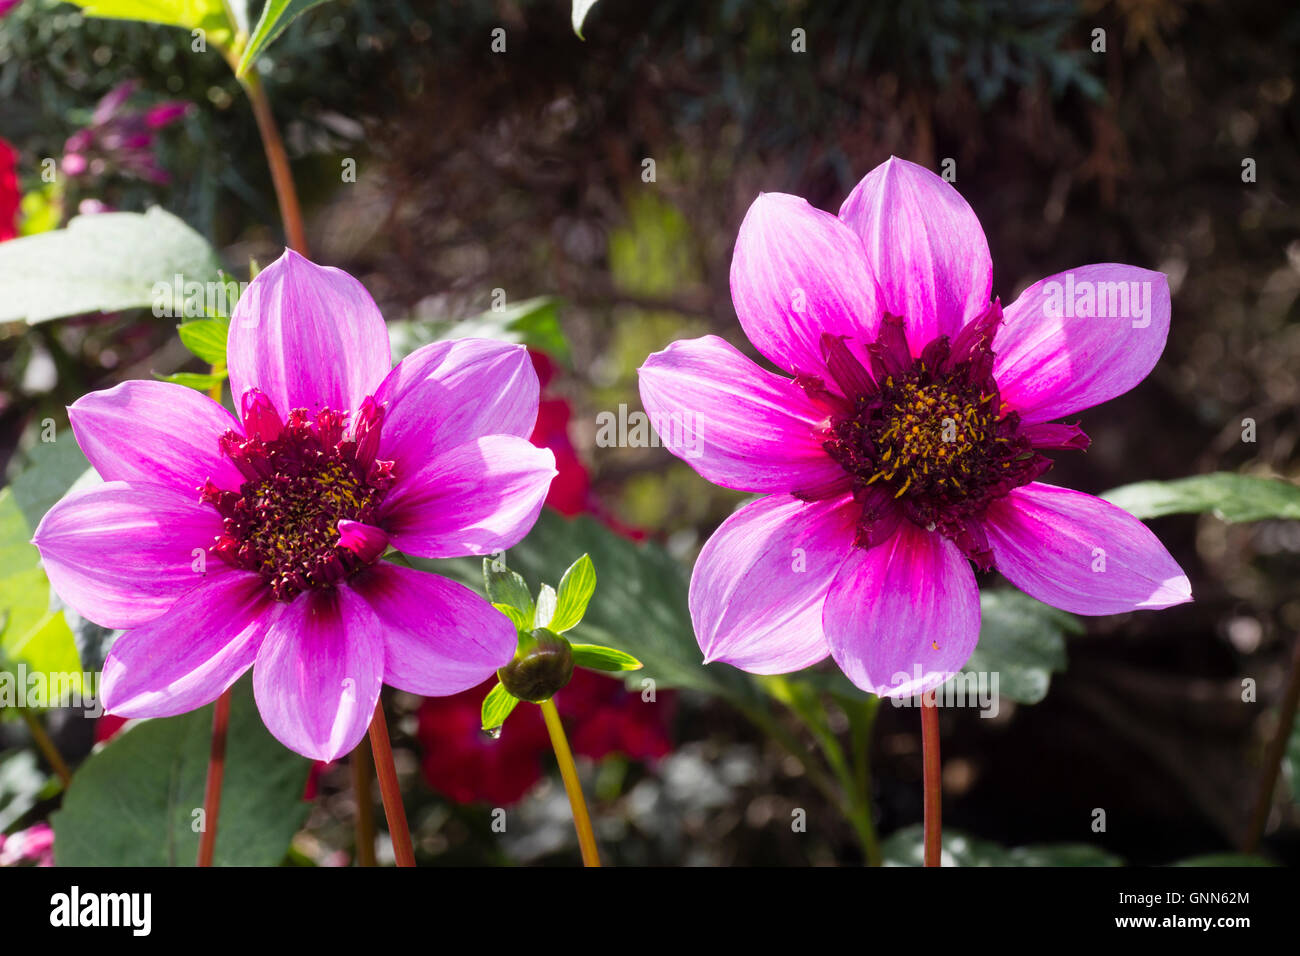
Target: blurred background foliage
{"points": [[525, 171]]}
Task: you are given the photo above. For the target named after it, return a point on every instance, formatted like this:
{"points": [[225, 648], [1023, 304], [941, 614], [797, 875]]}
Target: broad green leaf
{"points": [[545, 609], [532, 322], [206, 15], [575, 591], [597, 658], [31, 631], [276, 16], [640, 607], [1022, 641], [103, 263], [200, 381], [504, 586], [497, 706], [580, 10], [905, 848], [133, 802], [206, 338], [1228, 496]]}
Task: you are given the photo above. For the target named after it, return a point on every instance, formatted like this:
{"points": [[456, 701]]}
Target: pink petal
{"points": [[448, 393], [365, 541], [440, 637], [760, 582], [925, 247], [904, 616], [319, 672], [187, 657], [736, 424], [1051, 364], [1080, 553], [797, 273], [122, 554], [308, 337], [477, 498], [155, 433]]}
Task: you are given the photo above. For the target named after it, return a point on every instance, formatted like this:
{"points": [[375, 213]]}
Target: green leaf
{"points": [[276, 15], [31, 631], [905, 848], [1022, 641], [545, 609], [132, 803], [506, 587], [576, 589], [641, 606], [1226, 495], [497, 706], [207, 15], [597, 658], [21, 783], [517, 617], [103, 263], [206, 338], [200, 381], [45, 473], [532, 322], [580, 10]]}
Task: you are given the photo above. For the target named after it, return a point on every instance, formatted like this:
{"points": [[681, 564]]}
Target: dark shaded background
{"points": [[522, 171]]}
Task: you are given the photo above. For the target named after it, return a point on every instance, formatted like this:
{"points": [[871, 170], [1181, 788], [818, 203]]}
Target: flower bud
{"points": [[541, 666]]}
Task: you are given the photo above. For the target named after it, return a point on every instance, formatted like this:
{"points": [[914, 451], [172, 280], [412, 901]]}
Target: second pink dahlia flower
{"points": [[907, 442]]}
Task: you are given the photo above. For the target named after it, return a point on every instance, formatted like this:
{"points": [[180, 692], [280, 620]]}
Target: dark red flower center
{"points": [[927, 438], [303, 477]]}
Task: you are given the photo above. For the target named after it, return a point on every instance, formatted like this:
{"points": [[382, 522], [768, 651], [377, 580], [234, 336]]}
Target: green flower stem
{"points": [[1273, 758], [47, 748], [564, 756], [389, 789], [862, 718], [365, 822], [932, 780], [216, 771]]}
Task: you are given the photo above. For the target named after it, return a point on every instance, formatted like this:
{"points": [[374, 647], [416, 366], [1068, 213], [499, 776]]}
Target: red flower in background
{"points": [[602, 717], [11, 197]]}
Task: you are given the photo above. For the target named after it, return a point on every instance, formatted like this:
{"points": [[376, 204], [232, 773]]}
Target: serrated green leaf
{"points": [[133, 802], [545, 609], [1225, 495], [504, 586], [206, 338], [206, 15], [497, 706], [199, 381], [597, 658], [102, 263], [276, 16], [575, 591]]}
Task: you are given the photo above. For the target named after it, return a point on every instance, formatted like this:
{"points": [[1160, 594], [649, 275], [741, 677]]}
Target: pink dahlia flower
{"points": [[223, 544], [908, 441]]}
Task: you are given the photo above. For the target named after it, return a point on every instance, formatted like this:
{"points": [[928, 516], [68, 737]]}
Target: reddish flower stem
{"points": [[216, 771], [278, 160], [932, 774], [572, 786], [389, 790]]}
